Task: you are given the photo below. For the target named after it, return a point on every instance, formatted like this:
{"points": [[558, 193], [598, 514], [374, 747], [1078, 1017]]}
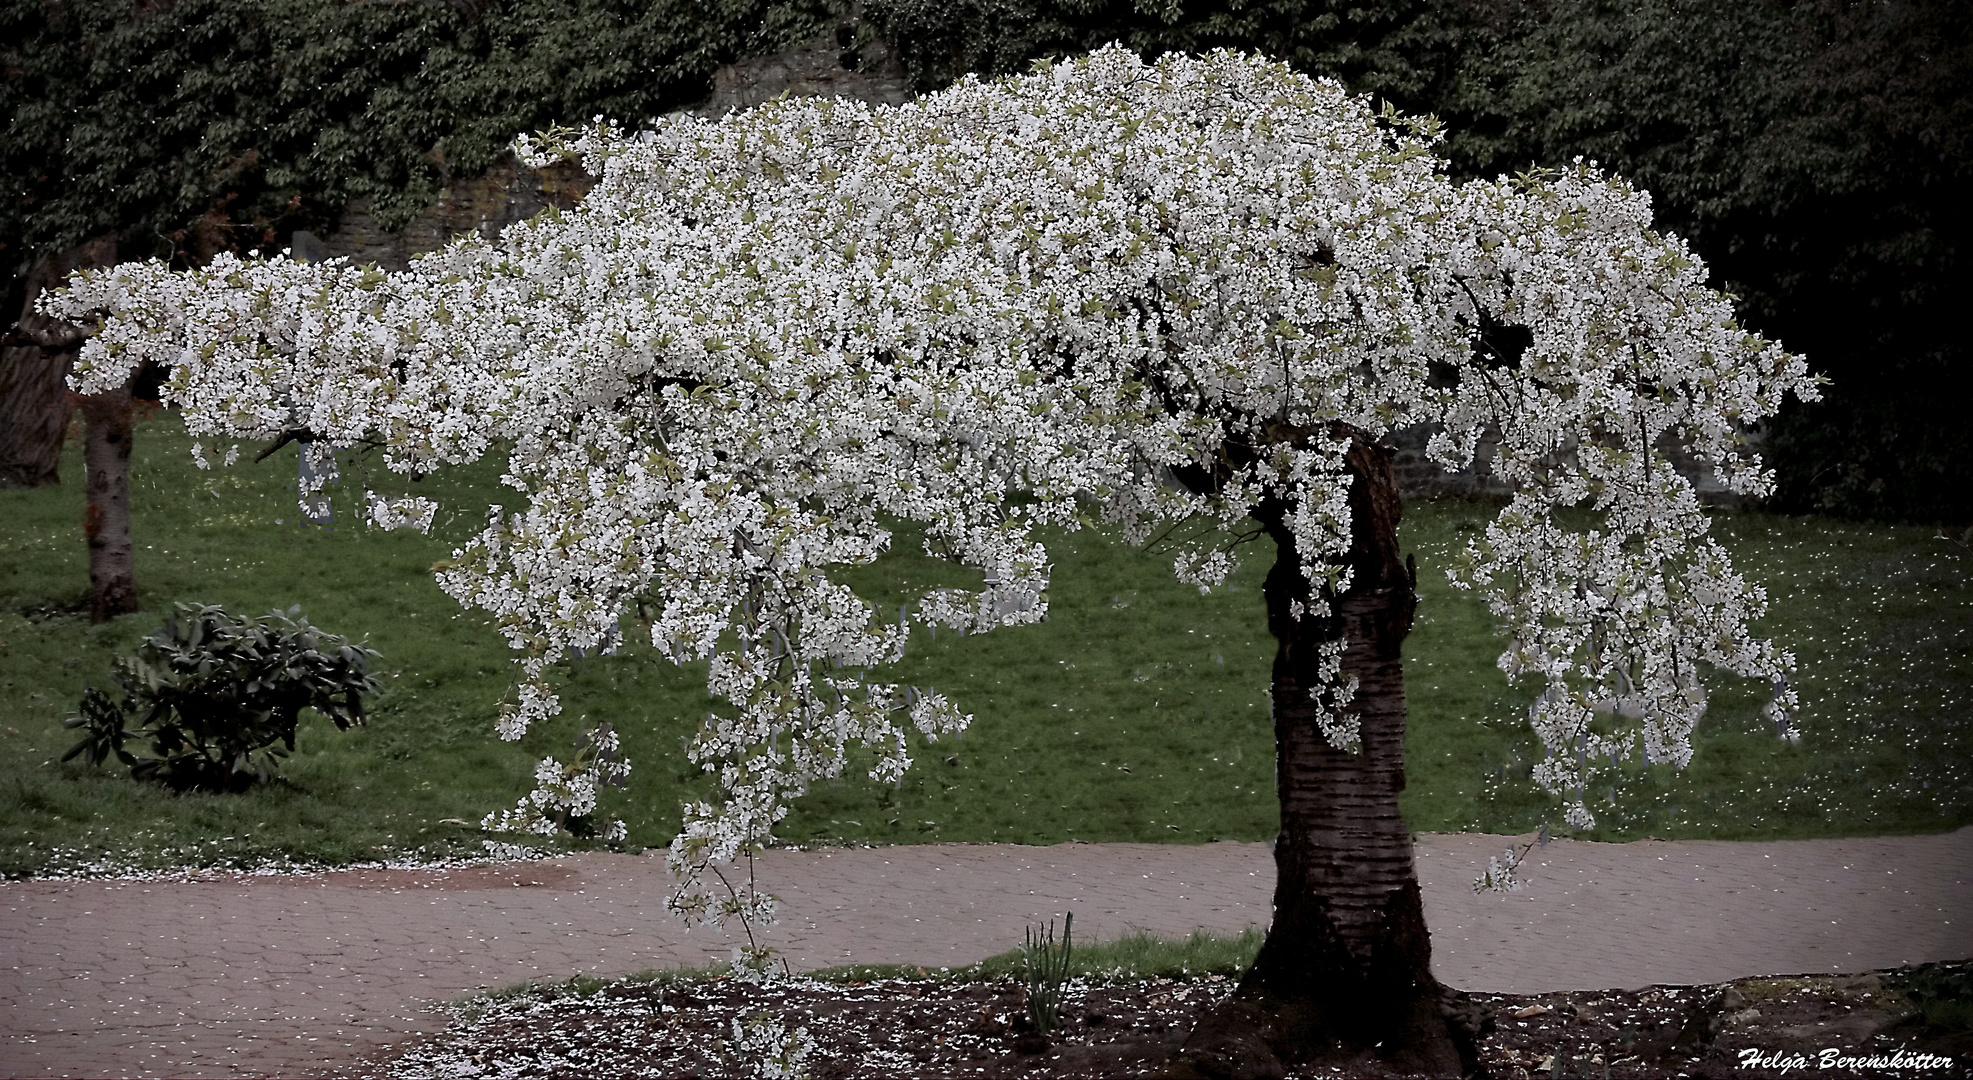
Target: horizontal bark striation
{"points": [[1344, 977], [1344, 850]]}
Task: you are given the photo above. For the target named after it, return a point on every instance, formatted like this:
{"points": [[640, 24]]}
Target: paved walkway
{"points": [[288, 976]]}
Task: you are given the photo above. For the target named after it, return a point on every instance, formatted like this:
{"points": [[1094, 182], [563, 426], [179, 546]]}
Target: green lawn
{"points": [[1138, 712], [1136, 955]]}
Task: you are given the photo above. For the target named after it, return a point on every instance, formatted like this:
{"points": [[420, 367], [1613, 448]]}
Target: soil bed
{"points": [[682, 1028]]}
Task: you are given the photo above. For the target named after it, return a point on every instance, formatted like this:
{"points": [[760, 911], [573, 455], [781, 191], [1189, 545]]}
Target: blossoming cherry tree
{"points": [[1107, 290]]}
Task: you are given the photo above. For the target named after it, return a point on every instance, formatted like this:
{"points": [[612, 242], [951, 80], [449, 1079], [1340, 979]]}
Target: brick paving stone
{"points": [[237, 976]]}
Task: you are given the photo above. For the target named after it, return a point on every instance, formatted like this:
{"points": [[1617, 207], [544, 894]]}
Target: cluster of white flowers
{"points": [[402, 512], [770, 1050], [563, 792], [1499, 874], [1006, 305]]}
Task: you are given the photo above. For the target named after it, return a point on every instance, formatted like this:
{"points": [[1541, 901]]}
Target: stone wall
{"points": [[510, 192], [815, 69]]}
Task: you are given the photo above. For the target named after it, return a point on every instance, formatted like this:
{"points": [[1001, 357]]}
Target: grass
{"points": [[1137, 713], [1133, 956], [1881, 621], [1129, 958], [1941, 993]]}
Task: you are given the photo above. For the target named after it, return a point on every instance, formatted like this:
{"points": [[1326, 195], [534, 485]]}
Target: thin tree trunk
{"points": [[1344, 976], [108, 422], [34, 367]]}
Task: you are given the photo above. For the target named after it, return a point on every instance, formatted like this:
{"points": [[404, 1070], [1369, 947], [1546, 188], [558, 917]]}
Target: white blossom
{"points": [[399, 513], [1499, 875], [770, 1050]]}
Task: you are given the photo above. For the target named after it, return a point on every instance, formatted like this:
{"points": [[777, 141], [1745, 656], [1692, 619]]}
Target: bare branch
{"points": [[59, 337]]}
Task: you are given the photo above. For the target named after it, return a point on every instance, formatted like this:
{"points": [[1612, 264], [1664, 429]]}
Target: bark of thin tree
{"points": [[35, 404], [34, 365], [1344, 976], [108, 422]]}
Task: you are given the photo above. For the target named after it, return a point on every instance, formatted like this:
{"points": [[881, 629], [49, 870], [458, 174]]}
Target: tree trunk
{"points": [[108, 420], [34, 367], [1344, 976], [34, 414], [35, 404]]}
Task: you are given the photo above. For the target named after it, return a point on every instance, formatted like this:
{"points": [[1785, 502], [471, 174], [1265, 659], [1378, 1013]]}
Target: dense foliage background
{"points": [[193, 126], [1816, 155], [1814, 151]]}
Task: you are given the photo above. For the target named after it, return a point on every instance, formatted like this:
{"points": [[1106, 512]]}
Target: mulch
{"points": [[1756, 1028]]}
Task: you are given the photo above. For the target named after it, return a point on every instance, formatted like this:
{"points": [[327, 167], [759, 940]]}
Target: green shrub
{"points": [[1942, 993], [216, 692]]}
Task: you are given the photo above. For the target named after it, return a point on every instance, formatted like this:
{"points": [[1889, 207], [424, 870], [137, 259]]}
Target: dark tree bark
{"points": [[33, 414], [108, 421], [34, 364], [35, 404], [1344, 976]]}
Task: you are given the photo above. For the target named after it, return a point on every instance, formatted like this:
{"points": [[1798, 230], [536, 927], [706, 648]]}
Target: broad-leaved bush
{"points": [[216, 697]]}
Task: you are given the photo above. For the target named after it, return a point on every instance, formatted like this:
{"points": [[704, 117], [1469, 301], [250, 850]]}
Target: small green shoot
{"points": [[1044, 967]]}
